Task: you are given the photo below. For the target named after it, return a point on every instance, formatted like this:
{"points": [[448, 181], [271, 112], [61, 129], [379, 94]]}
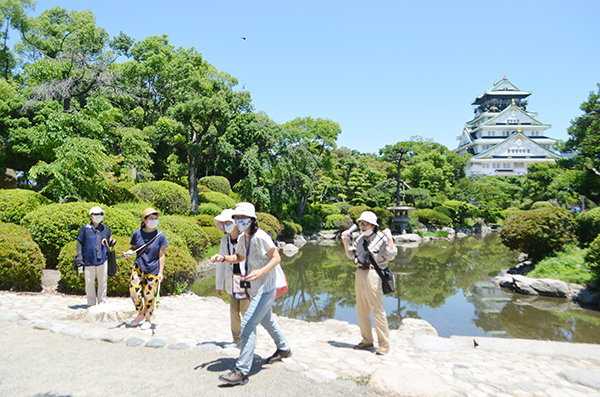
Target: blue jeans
{"points": [[259, 312]]}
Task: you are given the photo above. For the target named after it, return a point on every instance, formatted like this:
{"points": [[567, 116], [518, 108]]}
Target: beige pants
{"points": [[237, 309], [91, 273], [369, 299]]}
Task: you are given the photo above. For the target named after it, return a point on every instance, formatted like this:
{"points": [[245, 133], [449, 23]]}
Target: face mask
{"points": [[228, 227], [97, 218], [243, 224], [152, 223], [367, 232]]}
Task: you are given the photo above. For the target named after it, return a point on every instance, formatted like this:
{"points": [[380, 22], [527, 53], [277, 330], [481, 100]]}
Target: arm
{"points": [[79, 257], [350, 252], [161, 262], [258, 273]]}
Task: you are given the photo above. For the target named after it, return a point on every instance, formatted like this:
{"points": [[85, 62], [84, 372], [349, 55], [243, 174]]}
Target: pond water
{"points": [[446, 283]]}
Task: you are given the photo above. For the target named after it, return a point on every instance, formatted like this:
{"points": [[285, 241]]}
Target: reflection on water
{"points": [[446, 283]]}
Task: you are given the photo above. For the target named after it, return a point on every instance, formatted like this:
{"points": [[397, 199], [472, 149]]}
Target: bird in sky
{"points": [[243, 38]]}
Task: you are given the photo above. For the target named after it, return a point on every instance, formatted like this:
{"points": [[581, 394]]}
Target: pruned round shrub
{"points": [[431, 217], [212, 234], [324, 210], [449, 212], [209, 209], [541, 204], [221, 200], [290, 228], [338, 222], [538, 232], [21, 260], [167, 197], [343, 206], [205, 220], [216, 183], [135, 208], [118, 194], [593, 257], [179, 272], [269, 224], [355, 211], [587, 225], [16, 203], [188, 230], [52, 226]]}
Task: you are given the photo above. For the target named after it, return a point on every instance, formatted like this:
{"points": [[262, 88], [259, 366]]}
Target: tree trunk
{"points": [[193, 182]]}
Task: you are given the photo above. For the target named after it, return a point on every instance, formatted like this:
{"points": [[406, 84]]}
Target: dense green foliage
{"points": [[587, 225], [212, 234], [269, 224], [52, 226], [216, 183], [431, 217], [205, 220], [179, 272], [16, 203], [188, 230], [538, 232], [219, 199], [167, 197], [593, 257], [21, 261]]}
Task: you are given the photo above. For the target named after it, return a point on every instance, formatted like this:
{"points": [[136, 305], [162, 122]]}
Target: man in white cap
{"points": [[369, 293], [238, 303], [92, 253]]}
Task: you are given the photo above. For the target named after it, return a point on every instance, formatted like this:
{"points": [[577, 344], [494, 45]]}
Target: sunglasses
{"points": [[363, 223]]}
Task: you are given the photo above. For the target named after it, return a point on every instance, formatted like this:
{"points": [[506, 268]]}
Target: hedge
{"points": [[587, 225], [324, 210], [538, 232], [541, 204], [167, 197], [269, 224], [135, 208], [431, 217], [209, 209], [53, 226], [16, 203], [290, 229], [21, 260], [179, 271], [205, 220], [188, 230], [221, 200], [216, 183], [338, 222], [212, 235], [593, 257], [118, 194]]}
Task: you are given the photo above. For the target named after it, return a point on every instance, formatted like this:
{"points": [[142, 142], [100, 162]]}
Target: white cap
{"points": [[223, 217], [368, 216], [244, 208], [97, 210]]}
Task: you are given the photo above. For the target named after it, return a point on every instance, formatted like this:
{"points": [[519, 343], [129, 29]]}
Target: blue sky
{"points": [[383, 70]]}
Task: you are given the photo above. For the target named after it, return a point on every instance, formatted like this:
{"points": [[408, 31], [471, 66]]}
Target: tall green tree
{"points": [[12, 16]]}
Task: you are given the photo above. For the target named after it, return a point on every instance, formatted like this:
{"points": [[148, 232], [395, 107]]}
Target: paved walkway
{"points": [[420, 363]]}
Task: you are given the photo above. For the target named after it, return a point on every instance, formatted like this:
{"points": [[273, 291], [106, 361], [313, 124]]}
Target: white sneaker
{"points": [[146, 325]]}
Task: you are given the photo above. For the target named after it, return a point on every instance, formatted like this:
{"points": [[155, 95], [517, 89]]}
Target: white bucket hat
{"points": [[97, 210], [244, 208], [368, 216], [223, 217]]}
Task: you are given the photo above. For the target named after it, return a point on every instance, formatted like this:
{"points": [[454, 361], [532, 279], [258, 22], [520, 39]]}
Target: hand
{"points": [[127, 254], [160, 277], [217, 258], [113, 242], [219, 292], [254, 275], [387, 233], [345, 234]]}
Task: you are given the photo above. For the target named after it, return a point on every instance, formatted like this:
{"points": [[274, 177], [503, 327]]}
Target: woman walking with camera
{"points": [[261, 257]]}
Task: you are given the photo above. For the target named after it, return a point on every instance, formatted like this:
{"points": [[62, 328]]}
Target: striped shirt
{"points": [[260, 244]]}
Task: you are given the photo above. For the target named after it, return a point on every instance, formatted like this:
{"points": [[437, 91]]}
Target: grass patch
{"points": [[568, 265], [437, 233], [361, 380], [212, 250]]}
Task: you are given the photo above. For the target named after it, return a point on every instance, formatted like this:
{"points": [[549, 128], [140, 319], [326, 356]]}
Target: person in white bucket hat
{"points": [[262, 259], [367, 284], [225, 272], [92, 253]]}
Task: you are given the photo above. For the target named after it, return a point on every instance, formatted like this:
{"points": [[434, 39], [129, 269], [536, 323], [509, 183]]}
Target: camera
{"points": [[244, 284]]}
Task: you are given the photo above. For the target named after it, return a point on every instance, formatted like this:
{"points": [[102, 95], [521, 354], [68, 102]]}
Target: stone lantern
{"points": [[401, 219]]}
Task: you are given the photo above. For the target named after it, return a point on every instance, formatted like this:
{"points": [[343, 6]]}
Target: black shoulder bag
{"points": [[388, 283], [111, 257]]}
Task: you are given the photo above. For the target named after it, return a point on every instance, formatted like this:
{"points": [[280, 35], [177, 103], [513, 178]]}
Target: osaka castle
{"points": [[503, 137]]}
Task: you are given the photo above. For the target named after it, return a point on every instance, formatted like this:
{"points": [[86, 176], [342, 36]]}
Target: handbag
{"points": [[280, 281], [388, 282], [111, 258]]}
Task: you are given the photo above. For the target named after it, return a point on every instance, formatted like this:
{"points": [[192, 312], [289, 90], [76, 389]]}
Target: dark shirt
{"points": [[87, 238], [148, 260]]}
